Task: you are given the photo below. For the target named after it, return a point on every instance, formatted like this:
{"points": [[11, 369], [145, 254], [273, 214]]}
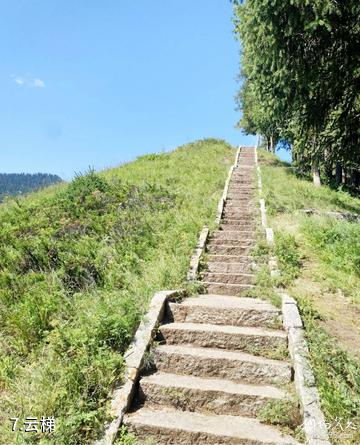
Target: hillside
{"points": [[78, 264], [20, 183], [319, 258]]}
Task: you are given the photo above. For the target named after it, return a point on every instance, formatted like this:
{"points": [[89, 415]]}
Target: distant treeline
{"points": [[20, 183]]}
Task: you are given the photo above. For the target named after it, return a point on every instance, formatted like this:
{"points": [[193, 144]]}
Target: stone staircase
{"points": [[213, 367]]}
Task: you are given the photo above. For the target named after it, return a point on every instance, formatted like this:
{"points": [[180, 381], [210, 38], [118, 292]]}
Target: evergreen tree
{"points": [[301, 65]]}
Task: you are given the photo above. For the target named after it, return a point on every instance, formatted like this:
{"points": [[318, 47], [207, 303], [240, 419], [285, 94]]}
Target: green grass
{"points": [[78, 265], [319, 261]]}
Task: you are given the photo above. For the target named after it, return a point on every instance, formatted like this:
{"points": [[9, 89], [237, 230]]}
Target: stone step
{"points": [[238, 212], [248, 208], [244, 176], [218, 267], [244, 204], [235, 187], [253, 340], [240, 202], [251, 221], [175, 427], [227, 250], [242, 182], [213, 396], [225, 310], [233, 365], [231, 242], [243, 193], [237, 227], [240, 220], [242, 208], [236, 235], [240, 195], [226, 277], [226, 289], [241, 259]]}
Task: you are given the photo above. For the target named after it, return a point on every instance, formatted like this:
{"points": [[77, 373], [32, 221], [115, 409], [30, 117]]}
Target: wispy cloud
{"points": [[29, 82]]}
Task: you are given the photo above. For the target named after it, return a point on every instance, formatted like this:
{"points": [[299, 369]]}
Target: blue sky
{"points": [[97, 83]]}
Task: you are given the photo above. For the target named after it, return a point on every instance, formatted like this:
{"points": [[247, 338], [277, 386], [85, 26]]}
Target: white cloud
{"points": [[38, 83], [29, 82], [19, 80]]}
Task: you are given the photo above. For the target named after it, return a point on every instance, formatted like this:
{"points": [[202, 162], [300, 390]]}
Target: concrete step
{"points": [[241, 259], [231, 242], [174, 427], [213, 396], [225, 310], [253, 340], [226, 277], [232, 365], [226, 289], [236, 235], [219, 267], [221, 249]]}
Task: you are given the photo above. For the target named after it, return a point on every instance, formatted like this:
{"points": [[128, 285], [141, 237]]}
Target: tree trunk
{"points": [[315, 173], [356, 178], [268, 143], [344, 176], [338, 173], [272, 148]]}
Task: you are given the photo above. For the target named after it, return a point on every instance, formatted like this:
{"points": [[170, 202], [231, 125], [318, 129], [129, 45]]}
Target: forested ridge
{"points": [[20, 183], [300, 81]]}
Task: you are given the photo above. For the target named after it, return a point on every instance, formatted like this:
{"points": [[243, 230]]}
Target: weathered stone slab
{"points": [[183, 428], [213, 396], [225, 310], [199, 250], [226, 289], [235, 366], [254, 340]]}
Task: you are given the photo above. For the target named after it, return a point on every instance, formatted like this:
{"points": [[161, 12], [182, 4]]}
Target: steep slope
{"points": [[78, 264]]}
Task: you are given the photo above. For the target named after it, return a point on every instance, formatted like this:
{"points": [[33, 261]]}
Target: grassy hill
{"points": [[78, 264], [319, 258]]}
